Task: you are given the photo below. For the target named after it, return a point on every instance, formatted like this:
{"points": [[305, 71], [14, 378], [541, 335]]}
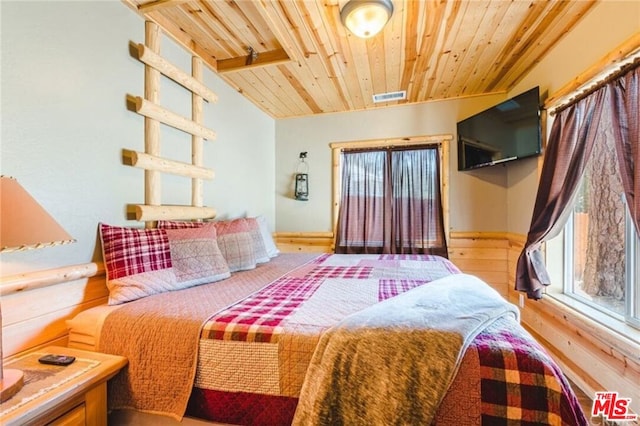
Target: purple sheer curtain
{"points": [[391, 202], [570, 142], [364, 215], [418, 223], [625, 109], [612, 109]]}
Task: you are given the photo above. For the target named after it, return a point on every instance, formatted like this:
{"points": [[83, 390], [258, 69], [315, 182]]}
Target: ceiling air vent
{"points": [[390, 96]]}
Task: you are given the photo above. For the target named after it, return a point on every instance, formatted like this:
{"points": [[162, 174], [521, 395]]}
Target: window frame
{"points": [[632, 295], [442, 141], [625, 324]]}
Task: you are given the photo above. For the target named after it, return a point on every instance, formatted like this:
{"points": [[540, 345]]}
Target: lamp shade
{"points": [[24, 224], [366, 18]]}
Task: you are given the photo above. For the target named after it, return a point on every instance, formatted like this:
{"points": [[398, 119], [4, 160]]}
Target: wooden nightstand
{"points": [[71, 395]]}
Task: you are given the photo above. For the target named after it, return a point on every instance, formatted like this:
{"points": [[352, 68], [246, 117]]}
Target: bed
{"points": [[298, 338]]}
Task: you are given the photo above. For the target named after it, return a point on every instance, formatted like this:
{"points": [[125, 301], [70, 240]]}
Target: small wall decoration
{"points": [[302, 179]]}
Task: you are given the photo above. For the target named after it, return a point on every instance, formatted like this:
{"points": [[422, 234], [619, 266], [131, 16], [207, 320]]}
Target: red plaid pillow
{"points": [[138, 262], [142, 262], [130, 251]]}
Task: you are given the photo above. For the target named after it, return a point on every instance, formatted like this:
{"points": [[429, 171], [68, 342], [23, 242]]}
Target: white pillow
{"points": [[272, 250]]}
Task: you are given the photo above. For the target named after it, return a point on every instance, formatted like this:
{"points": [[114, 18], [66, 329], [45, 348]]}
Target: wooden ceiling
{"points": [[308, 63]]}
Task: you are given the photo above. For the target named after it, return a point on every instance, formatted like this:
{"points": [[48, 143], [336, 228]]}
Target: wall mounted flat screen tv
{"points": [[506, 132]]}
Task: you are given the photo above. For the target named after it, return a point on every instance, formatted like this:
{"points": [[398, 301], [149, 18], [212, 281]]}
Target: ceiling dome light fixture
{"points": [[366, 18]]}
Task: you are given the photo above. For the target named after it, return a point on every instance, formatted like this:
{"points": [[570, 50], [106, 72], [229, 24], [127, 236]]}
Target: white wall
{"points": [[605, 27], [66, 70]]}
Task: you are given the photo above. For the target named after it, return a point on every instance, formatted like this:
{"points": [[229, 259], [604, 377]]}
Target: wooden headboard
{"points": [[35, 305]]}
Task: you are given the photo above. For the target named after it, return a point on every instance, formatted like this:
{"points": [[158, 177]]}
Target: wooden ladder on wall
{"points": [[154, 114]]}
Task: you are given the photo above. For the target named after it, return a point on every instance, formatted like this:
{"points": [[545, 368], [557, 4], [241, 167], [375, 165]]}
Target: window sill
{"points": [[589, 315]]}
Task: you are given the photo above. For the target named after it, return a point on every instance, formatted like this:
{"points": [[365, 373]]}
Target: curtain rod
{"points": [[426, 145], [598, 85]]}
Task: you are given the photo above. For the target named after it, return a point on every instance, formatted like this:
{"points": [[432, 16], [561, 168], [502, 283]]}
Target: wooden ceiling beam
{"points": [[281, 19], [240, 63], [159, 4]]}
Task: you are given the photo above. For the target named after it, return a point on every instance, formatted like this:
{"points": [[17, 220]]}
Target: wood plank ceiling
{"points": [[308, 63]]}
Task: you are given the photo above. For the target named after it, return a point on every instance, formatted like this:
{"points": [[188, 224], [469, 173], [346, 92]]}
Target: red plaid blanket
{"points": [[520, 382], [258, 317]]}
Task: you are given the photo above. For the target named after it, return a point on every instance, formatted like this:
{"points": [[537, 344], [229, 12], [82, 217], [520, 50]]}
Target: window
{"points": [[589, 193], [596, 259], [389, 196]]}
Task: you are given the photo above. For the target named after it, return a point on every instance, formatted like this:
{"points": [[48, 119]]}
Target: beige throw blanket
{"points": [[160, 334], [392, 363]]}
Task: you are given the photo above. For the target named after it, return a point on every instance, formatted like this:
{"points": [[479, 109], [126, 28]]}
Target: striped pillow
{"points": [[259, 248], [236, 244], [267, 239], [240, 241], [196, 257]]}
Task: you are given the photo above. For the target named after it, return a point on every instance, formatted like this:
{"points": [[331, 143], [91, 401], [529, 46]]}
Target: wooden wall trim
{"points": [[483, 254], [492, 235], [608, 341], [36, 305], [318, 234], [40, 279], [310, 242], [516, 239], [402, 141]]}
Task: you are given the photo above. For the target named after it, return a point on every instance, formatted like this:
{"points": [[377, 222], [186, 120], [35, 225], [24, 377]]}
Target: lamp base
{"points": [[10, 383]]}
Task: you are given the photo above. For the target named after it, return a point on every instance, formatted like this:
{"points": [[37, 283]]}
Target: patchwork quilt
{"points": [[254, 354]]}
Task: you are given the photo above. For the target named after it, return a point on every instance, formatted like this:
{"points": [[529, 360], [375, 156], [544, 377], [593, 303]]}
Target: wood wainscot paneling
{"points": [[36, 305], [306, 242], [594, 356], [483, 254]]}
